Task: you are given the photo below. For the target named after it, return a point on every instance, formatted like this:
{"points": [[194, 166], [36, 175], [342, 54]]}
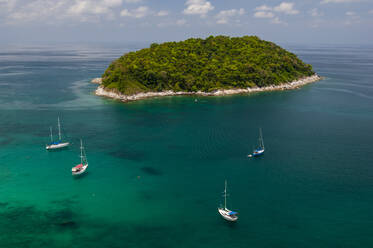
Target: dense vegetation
{"points": [[206, 65]]}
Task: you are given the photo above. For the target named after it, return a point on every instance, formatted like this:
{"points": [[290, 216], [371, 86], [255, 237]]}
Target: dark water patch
{"points": [[61, 215], [132, 235], [6, 141], [151, 171], [145, 195], [177, 194], [3, 204], [68, 225], [24, 174], [5, 173], [28, 226], [68, 202], [129, 155], [63, 219]]}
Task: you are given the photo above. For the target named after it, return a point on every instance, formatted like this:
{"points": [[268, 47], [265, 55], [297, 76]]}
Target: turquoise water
{"points": [[157, 167]]}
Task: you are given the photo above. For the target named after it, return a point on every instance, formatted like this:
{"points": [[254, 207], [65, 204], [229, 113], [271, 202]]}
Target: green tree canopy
{"points": [[219, 62]]}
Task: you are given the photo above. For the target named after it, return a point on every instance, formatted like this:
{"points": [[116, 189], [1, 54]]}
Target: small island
{"points": [[218, 65]]}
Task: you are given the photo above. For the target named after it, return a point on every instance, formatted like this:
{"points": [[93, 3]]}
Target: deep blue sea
{"points": [[157, 167]]}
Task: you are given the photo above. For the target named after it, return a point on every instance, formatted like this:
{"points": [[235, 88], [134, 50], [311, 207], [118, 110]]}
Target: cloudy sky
{"points": [[297, 21]]}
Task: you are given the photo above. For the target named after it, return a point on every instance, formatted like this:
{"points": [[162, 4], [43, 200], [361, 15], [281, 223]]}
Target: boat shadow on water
{"points": [[260, 157], [80, 176], [230, 224]]}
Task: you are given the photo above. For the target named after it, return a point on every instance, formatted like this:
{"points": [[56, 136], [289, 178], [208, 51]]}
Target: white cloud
{"points": [[52, 12], [263, 8], [110, 3], [265, 11], [286, 8], [125, 12], [340, 1], [132, 1], [224, 15], [93, 7], [350, 13], [198, 7], [352, 18], [162, 13], [277, 20], [263, 14], [315, 12], [139, 12], [7, 5], [38, 10]]}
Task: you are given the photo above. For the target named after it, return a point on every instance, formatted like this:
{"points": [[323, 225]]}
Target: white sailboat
{"points": [[225, 212], [56, 144], [80, 168], [260, 149]]}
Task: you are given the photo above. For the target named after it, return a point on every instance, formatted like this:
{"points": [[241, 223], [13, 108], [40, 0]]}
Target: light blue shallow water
{"points": [[157, 167]]}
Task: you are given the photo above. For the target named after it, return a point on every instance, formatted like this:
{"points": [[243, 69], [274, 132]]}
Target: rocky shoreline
{"points": [[101, 91], [96, 81]]}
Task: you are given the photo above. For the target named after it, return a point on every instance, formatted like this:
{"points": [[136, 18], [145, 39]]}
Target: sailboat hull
{"points": [[57, 146], [258, 153], [225, 214], [80, 171]]}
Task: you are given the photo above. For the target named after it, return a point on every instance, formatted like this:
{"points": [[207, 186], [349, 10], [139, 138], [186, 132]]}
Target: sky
{"points": [[90, 21]]}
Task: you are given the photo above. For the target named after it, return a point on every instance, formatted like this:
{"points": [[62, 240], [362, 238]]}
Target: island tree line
{"points": [[206, 65]]}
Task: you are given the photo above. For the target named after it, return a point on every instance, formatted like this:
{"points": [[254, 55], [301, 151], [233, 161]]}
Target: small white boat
{"points": [[56, 144], [225, 212], [260, 149], [80, 168]]}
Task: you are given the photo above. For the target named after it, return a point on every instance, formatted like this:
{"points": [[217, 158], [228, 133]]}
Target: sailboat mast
{"points": [[225, 195], [81, 151], [261, 138], [59, 128], [50, 128]]}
